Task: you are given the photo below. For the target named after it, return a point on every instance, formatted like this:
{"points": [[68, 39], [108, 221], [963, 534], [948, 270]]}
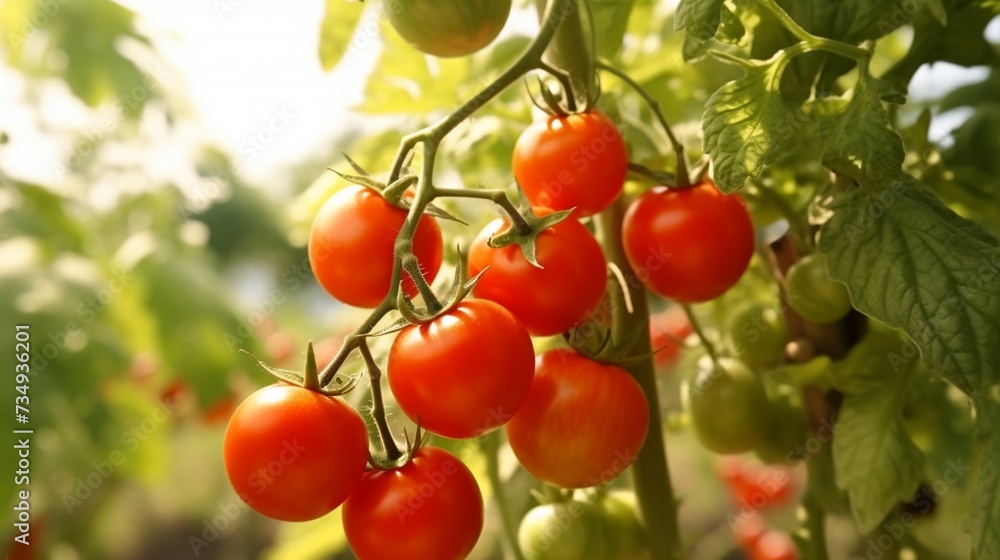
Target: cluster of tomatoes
{"points": [[572, 421]]}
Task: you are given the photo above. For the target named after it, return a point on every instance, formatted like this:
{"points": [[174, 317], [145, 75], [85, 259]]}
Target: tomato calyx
{"points": [[399, 193], [524, 235], [461, 286], [308, 378]]}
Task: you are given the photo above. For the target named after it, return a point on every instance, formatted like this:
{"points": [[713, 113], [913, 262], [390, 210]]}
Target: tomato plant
{"points": [[294, 454], [574, 161], [689, 245], [351, 246], [567, 254], [448, 28], [813, 294], [582, 423], [728, 407], [757, 336], [627, 536], [667, 332], [431, 507], [465, 373]]}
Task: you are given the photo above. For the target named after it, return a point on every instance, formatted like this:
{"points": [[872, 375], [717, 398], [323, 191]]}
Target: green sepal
{"points": [[526, 239]]}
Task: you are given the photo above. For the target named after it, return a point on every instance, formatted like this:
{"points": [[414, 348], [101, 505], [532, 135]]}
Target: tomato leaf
{"points": [[912, 263], [700, 18], [985, 529], [747, 124], [336, 30], [860, 142], [876, 462], [880, 355], [731, 29]]}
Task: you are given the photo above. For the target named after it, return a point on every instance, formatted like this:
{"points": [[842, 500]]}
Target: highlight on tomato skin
{"points": [[352, 243], [465, 373], [688, 245], [569, 284], [583, 422], [293, 454], [431, 507], [577, 161]]}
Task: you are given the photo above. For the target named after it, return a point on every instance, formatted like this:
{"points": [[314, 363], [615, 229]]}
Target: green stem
{"points": [[491, 448], [821, 43], [651, 477], [496, 195], [683, 179], [570, 54], [696, 325], [815, 522], [392, 452]]}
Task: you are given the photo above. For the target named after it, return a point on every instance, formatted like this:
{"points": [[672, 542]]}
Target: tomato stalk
{"points": [[682, 177], [491, 448], [431, 137], [651, 476], [820, 43], [696, 325], [392, 451]]}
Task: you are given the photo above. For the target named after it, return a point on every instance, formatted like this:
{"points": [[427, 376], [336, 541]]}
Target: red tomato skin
{"points": [[577, 161], [429, 508], [548, 300], [667, 330], [293, 454], [583, 422], [774, 545], [465, 373], [689, 245], [351, 246]]}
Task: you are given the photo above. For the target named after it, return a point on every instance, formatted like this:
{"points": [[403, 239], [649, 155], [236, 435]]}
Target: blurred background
{"points": [[160, 165]]}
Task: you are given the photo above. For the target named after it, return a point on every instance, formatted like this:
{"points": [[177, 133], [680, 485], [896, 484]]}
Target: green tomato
{"points": [[728, 406], [571, 530], [813, 294], [448, 28], [757, 336], [625, 530], [786, 432]]}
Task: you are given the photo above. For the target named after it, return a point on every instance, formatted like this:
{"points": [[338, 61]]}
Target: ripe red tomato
{"points": [[583, 422], [562, 293], [429, 508], [465, 373], [577, 161], [667, 329], [748, 531], [294, 454], [351, 246], [448, 28], [689, 245], [757, 488]]}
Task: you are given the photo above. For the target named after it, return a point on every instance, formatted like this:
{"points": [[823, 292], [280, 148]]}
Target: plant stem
{"points": [[392, 452], [491, 448], [696, 325], [815, 522], [570, 52], [821, 43], [651, 477], [496, 195], [683, 179]]}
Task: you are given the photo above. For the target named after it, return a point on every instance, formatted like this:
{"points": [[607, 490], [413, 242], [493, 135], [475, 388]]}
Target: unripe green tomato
{"points": [[571, 530], [758, 335], [448, 28], [627, 536], [813, 294], [728, 406], [786, 432]]}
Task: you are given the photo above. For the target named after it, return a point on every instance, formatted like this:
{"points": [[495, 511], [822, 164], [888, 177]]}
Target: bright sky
{"points": [[251, 70]]}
